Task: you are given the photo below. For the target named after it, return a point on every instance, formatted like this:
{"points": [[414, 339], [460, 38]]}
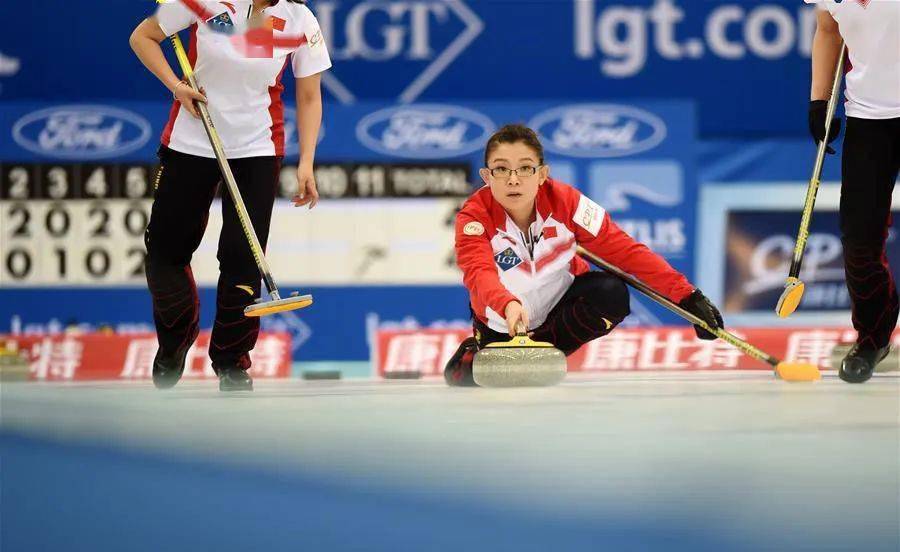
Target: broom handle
{"points": [[721, 333], [215, 141], [814, 181]]}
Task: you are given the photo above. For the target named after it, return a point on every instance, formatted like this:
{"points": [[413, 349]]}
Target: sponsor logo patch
{"points": [[221, 23], [589, 215], [507, 259], [316, 39], [473, 229]]}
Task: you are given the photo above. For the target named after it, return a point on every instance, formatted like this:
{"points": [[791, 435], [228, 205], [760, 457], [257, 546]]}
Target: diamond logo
{"points": [[426, 35]]}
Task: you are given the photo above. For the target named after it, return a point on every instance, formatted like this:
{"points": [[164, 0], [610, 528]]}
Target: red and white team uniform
{"points": [[871, 31], [498, 265], [244, 90]]}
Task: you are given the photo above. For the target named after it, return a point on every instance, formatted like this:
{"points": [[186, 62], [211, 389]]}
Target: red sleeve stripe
{"points": [[289, 42]]}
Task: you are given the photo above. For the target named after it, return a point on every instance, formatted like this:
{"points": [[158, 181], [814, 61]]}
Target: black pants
{"points": [[185, 188], [870, 163], [594, 304]]}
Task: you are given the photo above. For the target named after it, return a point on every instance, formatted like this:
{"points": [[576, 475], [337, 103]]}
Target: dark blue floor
{"points": [[77, 497]]}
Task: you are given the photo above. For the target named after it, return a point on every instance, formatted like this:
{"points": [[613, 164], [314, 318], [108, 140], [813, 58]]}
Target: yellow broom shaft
{"points": [[227, 175], [813, 188], [721, 333]]}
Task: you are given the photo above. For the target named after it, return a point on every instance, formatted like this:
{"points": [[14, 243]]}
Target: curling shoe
{"points": [[167, 369], [458, 372], [234, 379], [858, 365]]}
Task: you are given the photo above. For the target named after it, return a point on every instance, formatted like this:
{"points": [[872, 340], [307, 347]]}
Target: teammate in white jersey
{"points": [[239, 49], [870, 160]]}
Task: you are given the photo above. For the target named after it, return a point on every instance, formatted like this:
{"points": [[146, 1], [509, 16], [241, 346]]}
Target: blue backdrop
{"points": [[634, 100], [746, 64]]}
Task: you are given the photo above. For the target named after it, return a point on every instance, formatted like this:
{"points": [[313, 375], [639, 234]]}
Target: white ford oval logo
{"points": [[424, 131], [82, 132], [599, 130]]}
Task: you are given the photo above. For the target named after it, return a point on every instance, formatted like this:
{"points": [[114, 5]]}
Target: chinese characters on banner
{"points": [[427, 351], [98, 356]]}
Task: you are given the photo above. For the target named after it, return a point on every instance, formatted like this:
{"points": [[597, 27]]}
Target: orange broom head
{"points": [[798, 371], [790, 297], [281, 305]]}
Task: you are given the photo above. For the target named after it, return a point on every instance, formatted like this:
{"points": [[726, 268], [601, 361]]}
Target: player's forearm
{"points": [[488, 289], [309, 118], [146, 46], [825, 51], [480, 277]]}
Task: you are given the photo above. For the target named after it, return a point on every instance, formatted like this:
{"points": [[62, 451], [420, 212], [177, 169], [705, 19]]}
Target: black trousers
{"points": [[185, 188], [869, 167], [594, 304]]}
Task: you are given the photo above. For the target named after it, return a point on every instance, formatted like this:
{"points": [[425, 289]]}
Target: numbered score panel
{"points": [[83, 224], [63, 224]]}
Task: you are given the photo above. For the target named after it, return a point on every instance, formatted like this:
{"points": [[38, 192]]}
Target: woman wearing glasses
{"points": [[515, 243]]}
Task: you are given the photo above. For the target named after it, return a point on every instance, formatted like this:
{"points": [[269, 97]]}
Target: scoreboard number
{"points": [[383, 180], [73, 224]]}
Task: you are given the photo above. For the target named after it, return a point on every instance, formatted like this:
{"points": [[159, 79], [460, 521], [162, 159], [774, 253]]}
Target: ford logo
{"points": [[82, 132], [424, 131], [599, 130]]}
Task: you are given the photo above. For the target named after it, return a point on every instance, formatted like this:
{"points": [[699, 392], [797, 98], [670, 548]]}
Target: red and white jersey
{"points": [[871, 31], [242, 83], [498, 267]]}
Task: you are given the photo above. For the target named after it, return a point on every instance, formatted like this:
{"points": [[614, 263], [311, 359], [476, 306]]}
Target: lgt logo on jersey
{"points": [[424, 131], [221, 23], [507, 259], [82, 132], [599, 130], [422, 38]]}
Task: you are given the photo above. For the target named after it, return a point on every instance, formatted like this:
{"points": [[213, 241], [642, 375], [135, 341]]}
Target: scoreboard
{"points": [[83, 224], [73, 224]]}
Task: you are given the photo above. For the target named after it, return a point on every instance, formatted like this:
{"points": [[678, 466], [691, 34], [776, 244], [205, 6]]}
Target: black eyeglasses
{"points": [[503, 172]]}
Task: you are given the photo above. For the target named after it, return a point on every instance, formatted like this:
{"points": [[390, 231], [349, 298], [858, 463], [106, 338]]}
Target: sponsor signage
{"points": [[82, 132], [663, 348], [599, 130], [445, 51], [339, 325], [426, 131], [105, 356], [747, 237]]}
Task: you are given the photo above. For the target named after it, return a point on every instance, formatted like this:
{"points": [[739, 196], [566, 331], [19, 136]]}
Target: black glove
{"points": [[817, 112], [697, 304]]}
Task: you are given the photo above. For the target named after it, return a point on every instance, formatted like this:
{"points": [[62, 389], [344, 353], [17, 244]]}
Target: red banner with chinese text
{"points": [[100, 356], [428, 350]]}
